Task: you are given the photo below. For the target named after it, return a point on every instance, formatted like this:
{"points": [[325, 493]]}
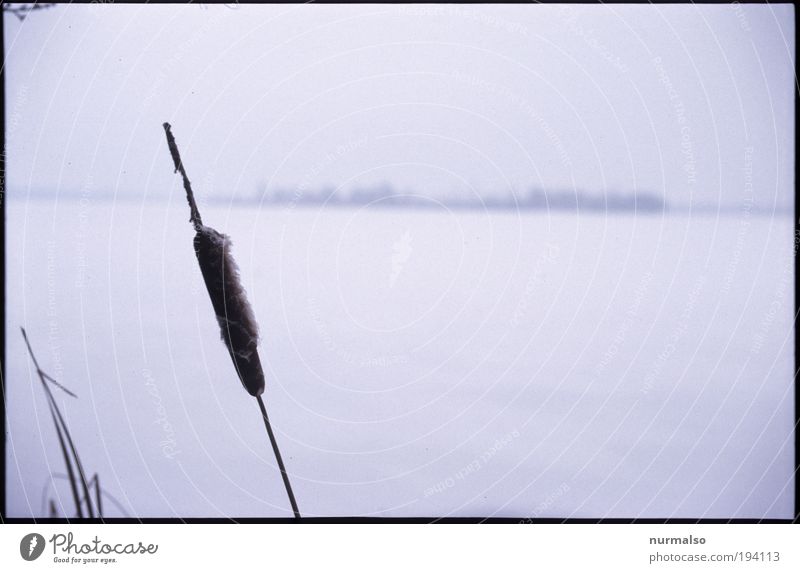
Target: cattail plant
{"points": [[237, 323]]}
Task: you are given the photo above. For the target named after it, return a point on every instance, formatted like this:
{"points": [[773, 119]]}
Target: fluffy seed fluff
{"points": [[237, 322]]}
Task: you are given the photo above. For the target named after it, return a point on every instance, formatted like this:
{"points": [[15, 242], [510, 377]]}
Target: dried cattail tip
{"points": [[237, 323]]}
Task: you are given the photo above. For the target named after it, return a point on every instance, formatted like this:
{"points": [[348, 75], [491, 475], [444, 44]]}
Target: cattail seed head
{"points": [[237, 322]]}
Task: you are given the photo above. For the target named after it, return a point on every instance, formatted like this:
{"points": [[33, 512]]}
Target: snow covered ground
{"points": [[419, 363]]}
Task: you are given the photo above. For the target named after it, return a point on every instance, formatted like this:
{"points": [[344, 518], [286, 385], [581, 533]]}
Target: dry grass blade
{"points": [[70, 473], [99, 493], [60, 386], [82, 475], [98, 497], [64, 437]]}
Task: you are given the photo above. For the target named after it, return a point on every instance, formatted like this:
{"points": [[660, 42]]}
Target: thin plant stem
{"points": [[275, 449]]}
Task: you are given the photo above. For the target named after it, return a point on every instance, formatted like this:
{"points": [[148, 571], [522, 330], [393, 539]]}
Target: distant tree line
{"points": [[534, 199]]}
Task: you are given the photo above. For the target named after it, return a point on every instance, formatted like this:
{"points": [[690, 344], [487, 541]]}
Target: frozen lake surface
{"points": [[419, 363]]}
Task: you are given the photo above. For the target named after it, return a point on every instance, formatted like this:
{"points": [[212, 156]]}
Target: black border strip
{"points": [[410, 520]]}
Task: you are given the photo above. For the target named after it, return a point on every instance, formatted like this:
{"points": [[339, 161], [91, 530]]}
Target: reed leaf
{"points": [[64, 437]]}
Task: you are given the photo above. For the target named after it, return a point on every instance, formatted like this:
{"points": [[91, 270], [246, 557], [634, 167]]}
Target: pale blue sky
{"points": [[432, 99]]}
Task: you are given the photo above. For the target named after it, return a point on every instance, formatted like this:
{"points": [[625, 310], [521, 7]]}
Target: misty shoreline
{"points": [[555, 202]]}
